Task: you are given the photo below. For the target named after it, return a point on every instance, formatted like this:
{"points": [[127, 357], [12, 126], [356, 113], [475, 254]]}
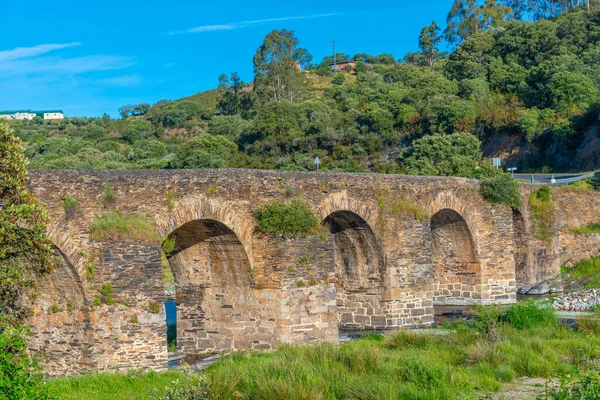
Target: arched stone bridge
{"points": [[389, 249]]}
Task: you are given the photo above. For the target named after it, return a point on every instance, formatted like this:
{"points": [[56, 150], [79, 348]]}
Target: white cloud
{"points": [[243, 24], [26, 52], [26, 61]]}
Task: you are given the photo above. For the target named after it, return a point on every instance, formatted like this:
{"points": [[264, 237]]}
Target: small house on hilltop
{"points": [[29, 114], [346, 66]]}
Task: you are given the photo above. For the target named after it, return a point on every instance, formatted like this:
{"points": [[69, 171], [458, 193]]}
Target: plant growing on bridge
{"points": [[168, 245], [108, 192], [106, 289], [542, 210], [118, 226], [154, 307], [25, 255], [501, 189], [286, 219], [70, 205]]}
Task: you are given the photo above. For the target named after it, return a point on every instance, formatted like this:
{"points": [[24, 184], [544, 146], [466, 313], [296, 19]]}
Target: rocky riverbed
{"points": [[584, 300]]}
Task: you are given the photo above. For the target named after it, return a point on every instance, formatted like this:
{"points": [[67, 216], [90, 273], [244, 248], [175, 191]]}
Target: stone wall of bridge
{"points": [[388, 250]]}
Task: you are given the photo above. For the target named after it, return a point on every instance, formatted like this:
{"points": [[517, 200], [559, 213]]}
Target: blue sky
{"points": [[91, 57]]}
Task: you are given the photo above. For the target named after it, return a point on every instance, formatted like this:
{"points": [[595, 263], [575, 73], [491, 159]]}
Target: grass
{"points": [[542, 210], [119, 226], [132, 386], [586, 273], [591, 228], [403, 205], [464, 362]]}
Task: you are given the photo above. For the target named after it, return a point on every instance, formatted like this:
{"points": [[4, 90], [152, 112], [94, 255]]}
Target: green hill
{"points": [[525, 91]]}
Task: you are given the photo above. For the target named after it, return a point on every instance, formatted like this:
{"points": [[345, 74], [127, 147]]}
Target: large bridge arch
{"points": [[62, 310], [216, 291], [359, 260], [200, 208], [456, 265]]}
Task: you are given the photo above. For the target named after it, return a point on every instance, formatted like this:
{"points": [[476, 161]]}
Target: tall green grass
{"points": [[123, 226], [587, 272], [591, 228], [466, 362], [112, 386]]}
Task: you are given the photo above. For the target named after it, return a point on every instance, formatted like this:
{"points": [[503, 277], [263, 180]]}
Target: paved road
{"points": [[546, 178]]}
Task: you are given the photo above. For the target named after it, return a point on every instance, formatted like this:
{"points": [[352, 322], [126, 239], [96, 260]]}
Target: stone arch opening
{"points": [[214, 287], [62, 317], [521, 249], [360, 271], [456, 267]]}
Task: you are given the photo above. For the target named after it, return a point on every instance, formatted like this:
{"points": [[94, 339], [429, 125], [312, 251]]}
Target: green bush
{"points": [[526, 314], [501, 189], [20, 377], [584, 388], [287, 220]]}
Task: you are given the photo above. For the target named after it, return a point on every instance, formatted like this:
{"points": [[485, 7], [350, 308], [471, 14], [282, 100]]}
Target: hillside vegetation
{"points": [[527, 91]]}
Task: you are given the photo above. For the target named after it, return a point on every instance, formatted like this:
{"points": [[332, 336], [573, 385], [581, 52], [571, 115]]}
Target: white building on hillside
{"points": [[29, 114]]}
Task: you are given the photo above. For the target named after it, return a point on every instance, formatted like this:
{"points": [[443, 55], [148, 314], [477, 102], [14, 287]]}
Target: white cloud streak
{"points": [[69, 66], [244, 24], [27, 52]]}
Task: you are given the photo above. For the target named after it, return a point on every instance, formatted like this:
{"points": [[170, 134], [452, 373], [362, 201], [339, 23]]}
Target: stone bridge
{"points": [[389, 249]]}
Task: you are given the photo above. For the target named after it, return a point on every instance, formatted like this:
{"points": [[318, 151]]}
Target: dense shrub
{"points": [[527, 314], [286, 219], [20, 377], [501, 189], [25, 255]]}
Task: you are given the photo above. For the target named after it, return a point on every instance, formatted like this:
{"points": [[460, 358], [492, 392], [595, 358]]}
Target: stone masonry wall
{"points": [[237, 289]]}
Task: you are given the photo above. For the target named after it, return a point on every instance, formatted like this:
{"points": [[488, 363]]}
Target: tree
{"points": [[445, 155], [234, 101], [467, 17], [138, 129], [429, 42], [126, 111], [461, 21], [141, 109], [276, 75], [205, 151]]}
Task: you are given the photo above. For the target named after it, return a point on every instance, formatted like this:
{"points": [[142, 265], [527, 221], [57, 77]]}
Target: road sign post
{"points": [[512, 171], [497, 162], [317, 162]]}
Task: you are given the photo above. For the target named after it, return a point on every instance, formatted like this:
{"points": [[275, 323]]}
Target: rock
{"points": [[524, 289]]}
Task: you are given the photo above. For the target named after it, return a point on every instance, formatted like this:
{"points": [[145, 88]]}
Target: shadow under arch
{"points": [[456, 265], [221, 249], [214, 287], [62, 319], [521, 257], [360, 270]]}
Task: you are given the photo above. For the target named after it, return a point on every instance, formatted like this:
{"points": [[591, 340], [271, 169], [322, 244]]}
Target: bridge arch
{"points": [[360, 270], [215, 287], [202, 208], [522, 254], [454, 255], [62, 317]]}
